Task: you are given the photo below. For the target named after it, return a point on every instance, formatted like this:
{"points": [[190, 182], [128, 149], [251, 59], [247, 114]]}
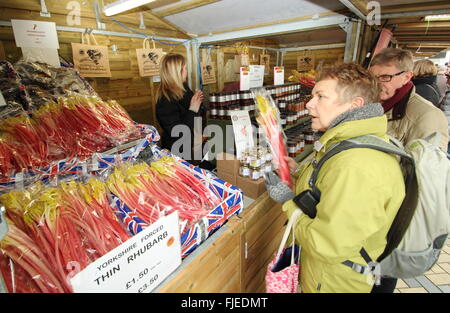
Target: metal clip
{"points": [[44, 12]]}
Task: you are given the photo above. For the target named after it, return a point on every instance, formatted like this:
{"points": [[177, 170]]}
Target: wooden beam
{"points": [[183, 7], [361, 5], [423, 25], [425, 6], [428, 45], [421, 32], [159, 3]]}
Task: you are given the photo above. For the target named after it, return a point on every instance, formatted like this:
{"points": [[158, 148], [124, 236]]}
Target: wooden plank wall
{"points": [[224, 58], [136, 94], [328, 56]]}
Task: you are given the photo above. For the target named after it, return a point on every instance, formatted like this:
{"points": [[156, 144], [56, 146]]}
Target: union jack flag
{"points": [[188, 241]]}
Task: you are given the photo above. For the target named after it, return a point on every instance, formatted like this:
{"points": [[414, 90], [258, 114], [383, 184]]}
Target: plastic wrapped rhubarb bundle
{"points": [[56, 232], [269, 119], [24, 142], [72, 127], [158, 189], [15, 95]]}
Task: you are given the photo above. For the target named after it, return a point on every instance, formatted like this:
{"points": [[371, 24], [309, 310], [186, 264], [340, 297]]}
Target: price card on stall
{"points": [[278, 75], [256, 76], [244, 78], [35, 34], [243, 131], [138, 265]]}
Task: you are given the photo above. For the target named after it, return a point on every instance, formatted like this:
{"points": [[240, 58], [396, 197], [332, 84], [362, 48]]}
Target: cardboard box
{"points": [[227, 163], [251, 188], [227, 177]]}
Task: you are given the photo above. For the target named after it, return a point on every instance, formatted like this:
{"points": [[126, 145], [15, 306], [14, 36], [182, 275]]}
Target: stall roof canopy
{"points": [[226, 15], [283, 23], [404, 17]]}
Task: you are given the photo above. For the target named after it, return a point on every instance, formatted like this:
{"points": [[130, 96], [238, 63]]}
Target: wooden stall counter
{"points": [[234, 259]]}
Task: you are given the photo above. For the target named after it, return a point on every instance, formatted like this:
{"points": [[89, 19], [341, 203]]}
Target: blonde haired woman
{"points": [[177, 104], [425, 74]]}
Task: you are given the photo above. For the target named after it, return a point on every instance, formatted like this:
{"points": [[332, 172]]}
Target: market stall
{"points": [[78, 130]]}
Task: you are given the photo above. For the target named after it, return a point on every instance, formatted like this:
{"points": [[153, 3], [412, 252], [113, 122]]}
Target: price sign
{"points": [[138, 265], [278, 75]]}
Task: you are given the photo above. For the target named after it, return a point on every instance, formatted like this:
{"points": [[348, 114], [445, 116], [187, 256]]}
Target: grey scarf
{"points": [[360, 113]]}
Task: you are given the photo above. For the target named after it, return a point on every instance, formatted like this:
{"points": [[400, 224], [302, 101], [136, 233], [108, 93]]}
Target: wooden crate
{"points": [[237, 260]]}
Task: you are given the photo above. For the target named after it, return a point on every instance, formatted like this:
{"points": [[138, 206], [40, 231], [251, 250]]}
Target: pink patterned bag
{"points": [[283, 272]]}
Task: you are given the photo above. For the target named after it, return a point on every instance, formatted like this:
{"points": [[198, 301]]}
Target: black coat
{"points": [[171, 113], [427, 88]]}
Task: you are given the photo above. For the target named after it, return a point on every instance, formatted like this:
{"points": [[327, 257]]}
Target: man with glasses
{"points": [[409, 115]]}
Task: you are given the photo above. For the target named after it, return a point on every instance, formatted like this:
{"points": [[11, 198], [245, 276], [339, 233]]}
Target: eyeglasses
{"points": [[387, 78]]}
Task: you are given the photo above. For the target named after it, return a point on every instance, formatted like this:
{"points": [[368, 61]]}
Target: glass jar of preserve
{"points": [[244, 171], [212, 105]]}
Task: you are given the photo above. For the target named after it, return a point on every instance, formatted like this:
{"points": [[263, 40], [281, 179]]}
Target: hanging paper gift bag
{"points": [[149, 59], [91, 60], [306, 62], [208, 72]]}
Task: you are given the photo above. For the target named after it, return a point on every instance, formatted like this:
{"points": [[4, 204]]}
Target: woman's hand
{"points": [[292, 164], [196, 101]]}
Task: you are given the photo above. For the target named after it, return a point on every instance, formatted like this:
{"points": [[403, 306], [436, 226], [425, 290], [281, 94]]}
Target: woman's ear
{"points": [[357, 102]]}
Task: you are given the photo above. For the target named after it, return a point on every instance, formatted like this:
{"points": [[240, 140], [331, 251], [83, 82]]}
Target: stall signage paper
{"points": [[35, 34], [256, 76], [138, 265], [208, 73], [149, 61], [243, 131], [278, 75], [244, 78]]}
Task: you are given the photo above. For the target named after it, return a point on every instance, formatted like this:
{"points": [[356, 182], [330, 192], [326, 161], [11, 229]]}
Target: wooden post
{"points": [[2, 51], [220, 70]]}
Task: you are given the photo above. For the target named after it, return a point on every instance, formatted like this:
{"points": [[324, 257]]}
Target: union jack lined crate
{"points": [[231, 204], [93, 165]]}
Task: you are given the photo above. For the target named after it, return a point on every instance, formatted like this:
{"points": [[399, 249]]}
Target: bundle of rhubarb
{"points": [[72, 127], [158, 189], [56, 232], [24, 145], [305, 78], [269, 119]]}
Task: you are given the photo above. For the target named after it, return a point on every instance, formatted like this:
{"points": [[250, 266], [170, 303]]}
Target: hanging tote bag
{"points": [[149, 59], [282, 273], [91, 60]]}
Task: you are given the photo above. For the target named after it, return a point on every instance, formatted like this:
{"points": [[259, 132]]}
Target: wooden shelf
{"points": [[300, 121], [305, 153]]}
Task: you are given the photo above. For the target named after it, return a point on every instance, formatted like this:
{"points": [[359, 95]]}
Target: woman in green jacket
{"points": [[361, 189]]}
